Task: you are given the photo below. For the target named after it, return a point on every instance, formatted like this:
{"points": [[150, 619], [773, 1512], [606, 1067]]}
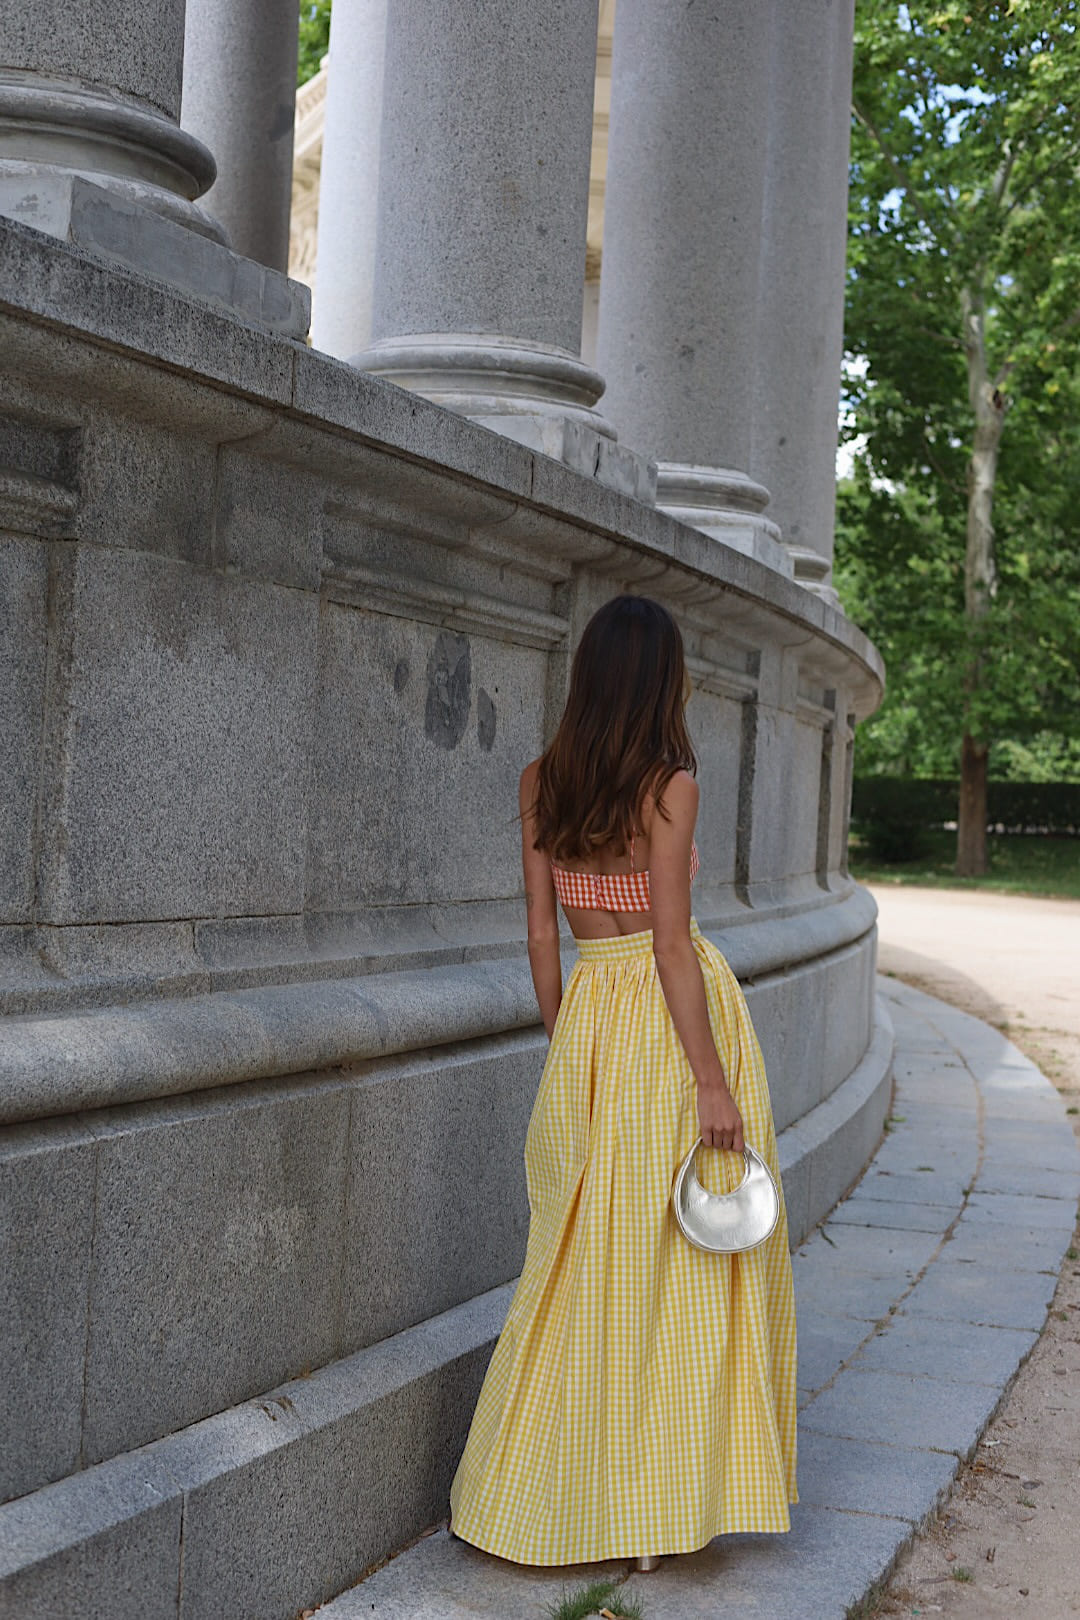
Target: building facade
{"points": [[283, 621]]}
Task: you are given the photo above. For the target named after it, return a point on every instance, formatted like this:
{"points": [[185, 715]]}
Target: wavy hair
{"points": [[622, 734]]}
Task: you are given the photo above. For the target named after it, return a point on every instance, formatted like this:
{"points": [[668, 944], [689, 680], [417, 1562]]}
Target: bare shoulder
{"points": [[679, 800]]}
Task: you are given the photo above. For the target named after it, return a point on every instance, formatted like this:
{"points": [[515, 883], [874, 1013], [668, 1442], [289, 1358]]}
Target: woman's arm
{"points": [[677, 962], [540, 908]]}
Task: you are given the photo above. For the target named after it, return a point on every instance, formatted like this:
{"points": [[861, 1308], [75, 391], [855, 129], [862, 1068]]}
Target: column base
{"points": [[111, 226], [584, 449], [491, 378], [726, 505], [52, 130], [812, 572]]}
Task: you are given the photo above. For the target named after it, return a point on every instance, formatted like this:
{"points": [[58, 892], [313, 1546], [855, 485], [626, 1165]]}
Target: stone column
{"points": [[483, 199], [240, 99], [682, 230], [92, 89], [349, 181], [801, 296]]}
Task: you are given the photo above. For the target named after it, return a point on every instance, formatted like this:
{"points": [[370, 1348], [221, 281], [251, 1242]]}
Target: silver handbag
{"points": [[726, 1223]]}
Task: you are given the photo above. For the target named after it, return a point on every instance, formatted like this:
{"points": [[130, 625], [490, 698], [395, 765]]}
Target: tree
{"points": [[964, 317], [314, 38]]}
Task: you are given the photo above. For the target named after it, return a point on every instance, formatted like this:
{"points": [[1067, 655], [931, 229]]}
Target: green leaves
{"points": [[314, 38], [965, 152]]}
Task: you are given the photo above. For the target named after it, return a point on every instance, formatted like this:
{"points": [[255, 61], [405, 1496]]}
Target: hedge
{"points": [[894, 813]]}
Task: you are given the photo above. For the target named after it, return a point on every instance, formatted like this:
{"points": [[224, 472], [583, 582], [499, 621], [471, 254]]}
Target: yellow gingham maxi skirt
{"points": [[641, 1397]]}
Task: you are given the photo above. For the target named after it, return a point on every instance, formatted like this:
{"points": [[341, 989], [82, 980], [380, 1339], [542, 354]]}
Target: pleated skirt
{"points": [[641, 1397]]}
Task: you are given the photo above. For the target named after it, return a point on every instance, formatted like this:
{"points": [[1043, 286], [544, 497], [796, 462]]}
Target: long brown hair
{"points": [[622, 734]]}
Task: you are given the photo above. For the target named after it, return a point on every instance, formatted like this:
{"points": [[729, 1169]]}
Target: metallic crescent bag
{"points": [[726, 1223]]}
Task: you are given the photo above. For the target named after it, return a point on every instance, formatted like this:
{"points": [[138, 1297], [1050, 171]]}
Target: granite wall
{"points": [[277, 639]]}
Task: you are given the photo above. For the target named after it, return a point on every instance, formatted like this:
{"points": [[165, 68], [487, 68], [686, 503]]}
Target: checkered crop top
{"points": [[610, 891]]}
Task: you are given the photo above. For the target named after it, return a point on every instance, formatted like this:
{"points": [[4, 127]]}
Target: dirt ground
{"points": [[1007, 1542]]}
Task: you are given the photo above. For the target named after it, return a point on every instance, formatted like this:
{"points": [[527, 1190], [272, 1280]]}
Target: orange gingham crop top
{"points": [[610, 891]]}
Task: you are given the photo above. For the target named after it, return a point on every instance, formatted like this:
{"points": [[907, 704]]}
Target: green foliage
{"points": [[589, 1600], [964, 150], [314, 38]]}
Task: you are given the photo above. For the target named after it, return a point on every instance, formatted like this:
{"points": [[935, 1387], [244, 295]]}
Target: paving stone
{"points": [[820, 1568], [852, 1293], [996, 1245], [928, 1185], [1022, 1213], [945, 1348], [815, 1572], [825, 1343], [1045, 1144], [443, 1579], [1011, 1148], [903, 1410], [894, 1213], [851, 1474], [1005, 1178], [880, 1252], [975, 1293], [904, 1158]]}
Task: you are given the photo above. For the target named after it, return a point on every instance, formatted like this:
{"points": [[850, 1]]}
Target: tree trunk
{"points": [[980, 580], [971, 851]]}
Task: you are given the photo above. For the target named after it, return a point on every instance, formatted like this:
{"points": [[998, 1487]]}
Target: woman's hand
{"points": [[719, 1120]]}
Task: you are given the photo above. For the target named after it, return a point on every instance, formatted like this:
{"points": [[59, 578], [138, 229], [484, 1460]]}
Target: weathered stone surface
{"points": [[789, 1012], [137, 315], [112, 1055], [101, 1545], [927, 1185], [451, 97], [881, 1253], [267, 519], [985, 1292], [198, 668], [406, 694], [46, 1220], [850, 1474], [218, 1256], [910, 1217], [137, 238], [146, 487], [436, 1208], [23, 585], [1035, 1248], [835, 1139], [999, 1177], [826, 1341], [141, 59], [239, 99], [1022, 1211], [900, 1410], [936, 1348]]}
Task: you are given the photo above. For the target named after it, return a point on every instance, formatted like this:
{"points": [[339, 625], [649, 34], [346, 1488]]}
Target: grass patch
{"points": [[1072, 1254], [869, 1605], [1019, 864], [589, 1600], [961, 1574]]}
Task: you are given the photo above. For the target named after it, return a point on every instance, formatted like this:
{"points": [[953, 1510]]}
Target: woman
{"points": [[641, 1397]]}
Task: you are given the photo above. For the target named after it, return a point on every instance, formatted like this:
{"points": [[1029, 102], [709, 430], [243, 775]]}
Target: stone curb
{"points": [[908, 1343]]}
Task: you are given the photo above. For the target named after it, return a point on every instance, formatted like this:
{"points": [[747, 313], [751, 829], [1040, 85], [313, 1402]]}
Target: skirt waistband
{"points": [[636, 944]]}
